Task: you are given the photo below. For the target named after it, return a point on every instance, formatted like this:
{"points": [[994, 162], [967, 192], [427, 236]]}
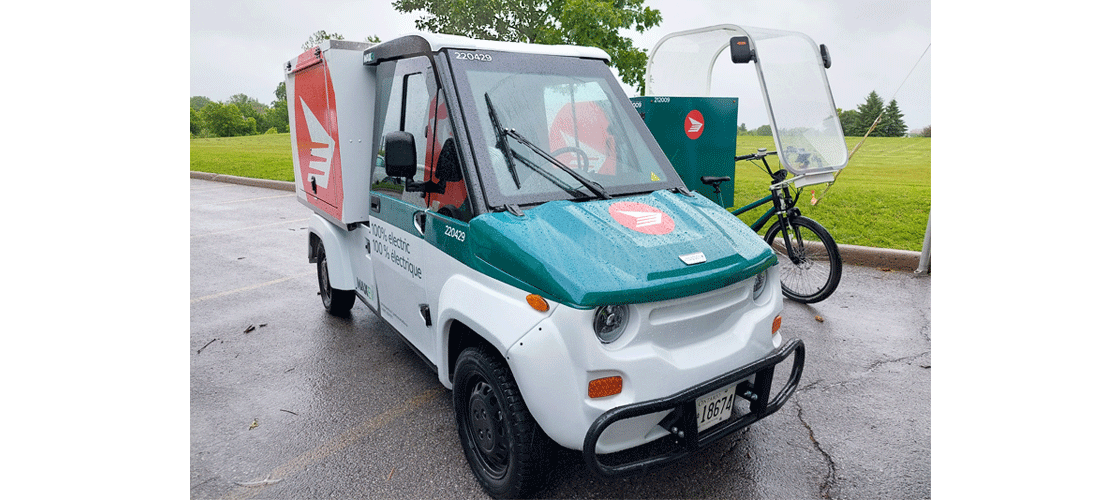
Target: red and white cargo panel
{"points": [[331, 105]]}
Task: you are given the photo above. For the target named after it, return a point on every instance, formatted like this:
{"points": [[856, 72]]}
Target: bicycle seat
{"points": [[714, 181]]}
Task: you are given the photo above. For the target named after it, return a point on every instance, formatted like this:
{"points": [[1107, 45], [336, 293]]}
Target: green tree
{"points": [[278, 115], [243, 101], [927, 131], [279, 92], [225, 120], [253, 113], [196, 123], [763, 130], [849, 121], [198, 102], [892, 124], [742, 129], [866, 115], [595, 23]]}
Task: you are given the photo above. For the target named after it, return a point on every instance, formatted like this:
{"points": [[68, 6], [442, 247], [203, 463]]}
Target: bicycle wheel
{"points": [[816, 272]]}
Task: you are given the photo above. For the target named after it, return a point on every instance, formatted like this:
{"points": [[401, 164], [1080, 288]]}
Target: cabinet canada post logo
{"points": [[320, 146], [315, 133], [694, 124], [641, 218]]}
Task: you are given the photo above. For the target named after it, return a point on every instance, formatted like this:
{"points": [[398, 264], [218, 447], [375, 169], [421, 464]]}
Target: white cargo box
{"points": [[331, 103]]}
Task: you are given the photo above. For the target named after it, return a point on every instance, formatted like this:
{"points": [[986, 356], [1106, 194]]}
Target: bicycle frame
{"points": [[783, 206], [757, 226]]}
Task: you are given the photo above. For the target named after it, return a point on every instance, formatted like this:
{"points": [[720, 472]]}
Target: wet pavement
{"points": [[287, 402]]}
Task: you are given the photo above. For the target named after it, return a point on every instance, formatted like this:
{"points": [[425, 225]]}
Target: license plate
{"points": [[715, 408]]}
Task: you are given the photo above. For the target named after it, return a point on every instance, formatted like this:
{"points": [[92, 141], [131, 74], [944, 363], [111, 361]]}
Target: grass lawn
{"points": [[268, 156], [881, 199]]}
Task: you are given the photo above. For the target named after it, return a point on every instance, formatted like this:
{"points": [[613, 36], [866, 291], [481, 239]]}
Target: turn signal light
{"points": [[608, 386], [538, 303], [776, 325]]}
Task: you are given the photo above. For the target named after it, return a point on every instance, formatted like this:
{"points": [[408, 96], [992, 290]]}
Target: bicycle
{"points": [[810, 259]]}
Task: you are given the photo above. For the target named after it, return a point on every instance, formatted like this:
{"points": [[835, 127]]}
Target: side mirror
{"points": [[400, 155], [740, 49], [826, 59]]}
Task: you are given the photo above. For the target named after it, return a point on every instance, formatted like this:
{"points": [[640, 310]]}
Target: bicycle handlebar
{"points": [[756, 156]]}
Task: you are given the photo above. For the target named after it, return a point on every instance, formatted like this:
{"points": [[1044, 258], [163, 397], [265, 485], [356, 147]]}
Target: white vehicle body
{"points": [[625, 282]]}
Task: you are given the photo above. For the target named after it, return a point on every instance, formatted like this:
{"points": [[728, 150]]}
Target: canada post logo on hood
{"points": [[641, 218]]}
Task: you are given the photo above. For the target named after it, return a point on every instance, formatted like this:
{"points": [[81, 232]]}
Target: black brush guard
{"points": [[682, 421]]}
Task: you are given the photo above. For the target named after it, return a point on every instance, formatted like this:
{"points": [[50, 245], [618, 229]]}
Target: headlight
{"points": [[760, 285], [609, 322]]}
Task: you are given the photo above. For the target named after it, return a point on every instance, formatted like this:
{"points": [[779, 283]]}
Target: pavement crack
{"points": [[829, 483], [810, 385], [202, 483], [882, 362], [926, 327], [735, 443]]}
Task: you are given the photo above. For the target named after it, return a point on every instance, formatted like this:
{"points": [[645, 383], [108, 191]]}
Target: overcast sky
{"points": [[241, 46]]}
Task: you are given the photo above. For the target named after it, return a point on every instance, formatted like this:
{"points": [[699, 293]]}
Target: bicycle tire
{"points": [[815, 277]]}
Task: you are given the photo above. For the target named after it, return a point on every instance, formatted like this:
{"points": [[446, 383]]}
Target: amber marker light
{"points": [[608, 386], [538, 303], [776, 325]]}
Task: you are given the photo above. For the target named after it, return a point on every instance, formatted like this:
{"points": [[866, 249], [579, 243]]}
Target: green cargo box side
{"points": [[698, 135]]}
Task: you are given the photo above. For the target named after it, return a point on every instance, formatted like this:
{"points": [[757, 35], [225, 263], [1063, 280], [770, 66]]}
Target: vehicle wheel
{"points": [[816, 273], [336, 302], [504, 445]]}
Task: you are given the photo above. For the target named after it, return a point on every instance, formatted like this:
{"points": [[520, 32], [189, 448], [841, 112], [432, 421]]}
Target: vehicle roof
{"points": [[414, 43]]}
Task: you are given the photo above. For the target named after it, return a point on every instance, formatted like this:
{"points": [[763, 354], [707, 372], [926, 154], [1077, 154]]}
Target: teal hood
{"points": [[621, 251]]}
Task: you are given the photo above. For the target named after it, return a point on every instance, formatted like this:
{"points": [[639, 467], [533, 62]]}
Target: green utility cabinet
{"points": [[698, 135]]}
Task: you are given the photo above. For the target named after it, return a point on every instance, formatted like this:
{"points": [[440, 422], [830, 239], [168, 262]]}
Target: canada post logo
{"points": [[694, 124], [316, 136], [641, 218], [320, 146]]}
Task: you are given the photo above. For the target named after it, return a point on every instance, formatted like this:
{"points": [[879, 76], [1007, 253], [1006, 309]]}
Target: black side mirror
{"points": [[740, 49], [826, 59], [400, 155]]}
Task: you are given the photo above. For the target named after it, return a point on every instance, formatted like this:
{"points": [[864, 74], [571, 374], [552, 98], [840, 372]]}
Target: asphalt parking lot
{"points": [[288, 402]]}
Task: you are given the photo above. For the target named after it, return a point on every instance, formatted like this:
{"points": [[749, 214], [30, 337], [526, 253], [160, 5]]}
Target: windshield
{"points": [[554, 110], [796, 91], [806, 127]]}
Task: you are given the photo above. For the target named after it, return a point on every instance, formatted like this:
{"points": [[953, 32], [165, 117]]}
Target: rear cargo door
{"points": [[316, 136]]}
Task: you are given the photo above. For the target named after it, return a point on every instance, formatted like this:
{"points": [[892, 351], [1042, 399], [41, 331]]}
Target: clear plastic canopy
{"points": [[792, 78]]}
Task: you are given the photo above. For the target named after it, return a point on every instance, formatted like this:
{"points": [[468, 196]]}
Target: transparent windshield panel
{"points": [[682, 64], [571, 109], [806, 128]]}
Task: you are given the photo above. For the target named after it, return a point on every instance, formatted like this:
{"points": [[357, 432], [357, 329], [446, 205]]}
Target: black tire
{"points": [[336, 302], [504, 445], [817, 273]]}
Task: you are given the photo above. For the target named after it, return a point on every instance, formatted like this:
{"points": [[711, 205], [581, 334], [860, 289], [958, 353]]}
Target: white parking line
{"points": [[249, 228], [250, 287], [253, 199]]}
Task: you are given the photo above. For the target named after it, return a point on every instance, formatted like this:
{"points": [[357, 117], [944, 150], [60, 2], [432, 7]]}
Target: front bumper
{"points": [[682, 421]]}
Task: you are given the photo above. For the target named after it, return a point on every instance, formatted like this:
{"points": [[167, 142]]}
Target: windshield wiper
{"points": [[502, 144], [596, 188]]}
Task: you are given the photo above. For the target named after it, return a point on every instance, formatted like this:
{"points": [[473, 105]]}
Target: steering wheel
{"points": [[583, 159]]}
